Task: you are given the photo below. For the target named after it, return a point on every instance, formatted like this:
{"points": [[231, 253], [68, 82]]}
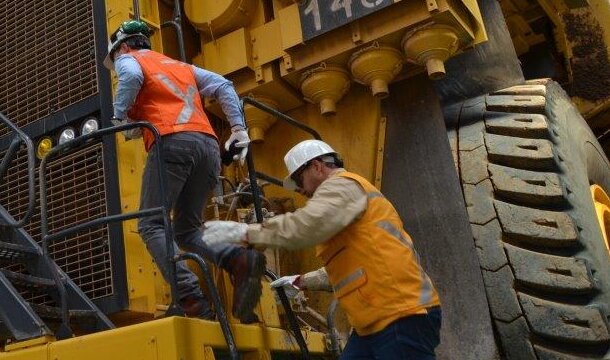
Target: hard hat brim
{"points": [[108, 62]]}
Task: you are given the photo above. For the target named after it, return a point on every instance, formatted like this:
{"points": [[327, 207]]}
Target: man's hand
{"points": [[129, 134], [289, 283], [218, 232], [243, 140]]}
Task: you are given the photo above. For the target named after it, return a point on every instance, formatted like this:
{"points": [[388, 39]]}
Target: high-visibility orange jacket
{"points": [[169, 98], [374, 269]]}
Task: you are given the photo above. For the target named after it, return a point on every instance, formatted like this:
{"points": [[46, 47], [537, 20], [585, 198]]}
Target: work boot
{"points": [[246, 269], [197, 306]]}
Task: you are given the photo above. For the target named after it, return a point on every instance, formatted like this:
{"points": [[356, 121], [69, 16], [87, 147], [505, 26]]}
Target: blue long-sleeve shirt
{"points": [[209, 84]]}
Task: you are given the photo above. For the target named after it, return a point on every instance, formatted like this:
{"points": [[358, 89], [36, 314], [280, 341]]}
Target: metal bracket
{"points": [[258, 74], [287, 62], [356, 34], [432, 5]]}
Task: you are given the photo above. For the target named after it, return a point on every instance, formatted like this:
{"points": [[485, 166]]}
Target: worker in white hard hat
{"points": [[167, 93], [369, 260]]}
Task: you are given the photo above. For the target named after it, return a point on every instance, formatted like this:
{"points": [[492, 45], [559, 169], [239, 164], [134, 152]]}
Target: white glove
{"points": [[288, 283], [218, 232], [243, 140], [129, 134]]}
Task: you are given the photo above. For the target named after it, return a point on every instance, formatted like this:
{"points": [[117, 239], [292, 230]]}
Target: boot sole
{"points": [[249, 298]]}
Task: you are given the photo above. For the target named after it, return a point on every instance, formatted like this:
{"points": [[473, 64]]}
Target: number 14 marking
{"points": [[314, 9]]}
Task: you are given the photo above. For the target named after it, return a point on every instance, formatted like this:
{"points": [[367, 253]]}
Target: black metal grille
{"points": [[75, 194], [47, 57]]}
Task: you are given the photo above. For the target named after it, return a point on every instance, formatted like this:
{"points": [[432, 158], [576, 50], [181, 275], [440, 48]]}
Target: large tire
{"points": [[526, 160]]}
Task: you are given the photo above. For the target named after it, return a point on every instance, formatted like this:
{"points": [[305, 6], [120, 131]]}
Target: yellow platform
{"points": [[164, 339]]}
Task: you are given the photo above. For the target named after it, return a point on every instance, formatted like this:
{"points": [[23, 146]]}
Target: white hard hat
{"points": [[128, 29], [300, 154]]}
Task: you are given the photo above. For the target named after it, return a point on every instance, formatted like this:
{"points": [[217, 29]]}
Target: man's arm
{"points": [[130, 78], [336, 203], [315, 280], [215, 86]]}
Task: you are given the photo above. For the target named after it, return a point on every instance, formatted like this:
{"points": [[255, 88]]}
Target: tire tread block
{"points": [[472, 166], [537, 227], [479, 202], [515, 339], [516, 103], [533, 126], [548, 354], [534, 154], [565, 275], [566, 323], [502, 299], [488, 241], [527, 187], [528, 89]]}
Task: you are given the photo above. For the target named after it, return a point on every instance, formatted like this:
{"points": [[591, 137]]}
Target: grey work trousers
{"points": [[192, 165]]}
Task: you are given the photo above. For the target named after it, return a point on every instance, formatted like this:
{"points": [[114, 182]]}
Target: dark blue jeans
{"points": [[192, 165], [412, 337]]}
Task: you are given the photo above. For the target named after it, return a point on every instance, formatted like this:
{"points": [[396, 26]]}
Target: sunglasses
{"points": [[297, 177]]}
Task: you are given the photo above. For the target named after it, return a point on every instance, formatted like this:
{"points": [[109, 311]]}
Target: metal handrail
{"points": [[176, 23], [222, 316], [292, 319], [158, 211], [335, 347], [281, 116], [253, 174], [8, 157]]}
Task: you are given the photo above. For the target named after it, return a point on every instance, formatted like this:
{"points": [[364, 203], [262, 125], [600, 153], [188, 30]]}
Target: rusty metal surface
{"points": [[590, 62], [47, 61], [76, 193]]}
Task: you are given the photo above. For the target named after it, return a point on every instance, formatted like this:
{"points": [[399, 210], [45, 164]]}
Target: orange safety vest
{"points": [[373, 267], [169, 98]]}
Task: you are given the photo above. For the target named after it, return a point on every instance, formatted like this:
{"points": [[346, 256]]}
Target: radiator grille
{"points": [[47, 61], [75, 194]]}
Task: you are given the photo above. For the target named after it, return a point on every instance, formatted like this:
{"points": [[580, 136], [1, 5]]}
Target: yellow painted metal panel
{"points": [[165, 339], [266, 43], [479, 31], [227, 54], [290, 26], [37, 353], [146, 287]]}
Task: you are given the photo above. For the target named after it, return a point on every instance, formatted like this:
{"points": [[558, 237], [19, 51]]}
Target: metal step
{"points": [[13, 253], [53, 314], [29, 282]]}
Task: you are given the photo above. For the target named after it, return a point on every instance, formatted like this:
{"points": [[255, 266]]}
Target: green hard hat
{"points": [[128, 29]]}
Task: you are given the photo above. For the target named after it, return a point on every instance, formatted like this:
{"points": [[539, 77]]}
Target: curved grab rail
{"points": [[292, 319], [222, 316], [8, 157], [282, 116], [159, 211]]}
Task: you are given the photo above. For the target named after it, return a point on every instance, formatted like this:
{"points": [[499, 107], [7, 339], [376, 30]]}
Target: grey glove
{"points": [[128, 134]]}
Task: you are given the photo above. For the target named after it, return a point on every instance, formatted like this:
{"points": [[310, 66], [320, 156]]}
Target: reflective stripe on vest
{"points": [[427, 289], [168, 98], [348, 279], [188, 98]]}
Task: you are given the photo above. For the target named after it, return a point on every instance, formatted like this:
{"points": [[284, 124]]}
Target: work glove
{"points": [[128, 134], [218, 232], [288, 283], [241, 139]]}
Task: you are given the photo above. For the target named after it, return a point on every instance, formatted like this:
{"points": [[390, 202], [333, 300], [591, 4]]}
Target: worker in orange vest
{"points": [[167, 93], [369, 260]]}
